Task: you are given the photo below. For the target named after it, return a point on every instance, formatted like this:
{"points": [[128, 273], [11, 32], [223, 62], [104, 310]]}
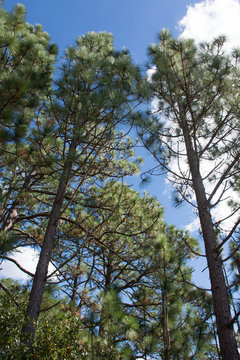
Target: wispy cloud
{"points": [[205, 21]]}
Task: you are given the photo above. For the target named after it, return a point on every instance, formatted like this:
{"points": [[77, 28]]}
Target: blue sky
{"points": [[135, 24]]}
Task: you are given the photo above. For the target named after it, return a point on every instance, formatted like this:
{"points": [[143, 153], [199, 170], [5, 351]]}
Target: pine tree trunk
{"points": [[75, 283], [227, 339], [166, 334], [39, 281]]}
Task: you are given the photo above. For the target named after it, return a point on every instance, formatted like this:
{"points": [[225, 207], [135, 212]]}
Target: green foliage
{"points": [[25, 73], [7, 242], [11, 318], [59, 334], [124, 272]]}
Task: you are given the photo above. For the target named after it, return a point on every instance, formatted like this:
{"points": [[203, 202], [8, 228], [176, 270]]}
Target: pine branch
{"points": [[17, 264]]}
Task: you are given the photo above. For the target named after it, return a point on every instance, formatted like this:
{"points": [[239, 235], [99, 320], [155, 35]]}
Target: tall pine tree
{"points": [[96, 93], [196, 140]]}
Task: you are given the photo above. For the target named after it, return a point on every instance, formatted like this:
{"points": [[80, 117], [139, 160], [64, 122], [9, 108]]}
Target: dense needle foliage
{"points": [[120, 281]]}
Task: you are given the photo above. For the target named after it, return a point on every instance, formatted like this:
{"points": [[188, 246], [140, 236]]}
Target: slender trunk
{"points": [[39, 281], [166, 335], [108, 281], [75, 282], [227, 339], [145, 322]]}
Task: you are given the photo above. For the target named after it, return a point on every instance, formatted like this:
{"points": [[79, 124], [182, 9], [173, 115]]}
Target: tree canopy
{"points": [[197, 143], [122, 283]]}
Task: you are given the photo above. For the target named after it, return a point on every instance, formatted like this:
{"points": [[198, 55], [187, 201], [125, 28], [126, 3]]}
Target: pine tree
{"points": [[27, 59], [173, 314], [26, 72], [98, 90], [105, 247], [129, 273], [198, 99]]}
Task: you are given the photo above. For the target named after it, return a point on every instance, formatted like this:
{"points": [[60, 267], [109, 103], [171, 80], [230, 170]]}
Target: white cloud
{"points": [[194, 226], [205, 21], [150, 72], [26, 257], [210, 18]]}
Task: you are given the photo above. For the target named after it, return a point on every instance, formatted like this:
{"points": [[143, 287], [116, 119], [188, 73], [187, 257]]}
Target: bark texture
{"points": [[39, 281], [227, 340]]}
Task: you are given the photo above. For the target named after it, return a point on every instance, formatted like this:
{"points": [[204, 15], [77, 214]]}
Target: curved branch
{"points": [[17, 264]]}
